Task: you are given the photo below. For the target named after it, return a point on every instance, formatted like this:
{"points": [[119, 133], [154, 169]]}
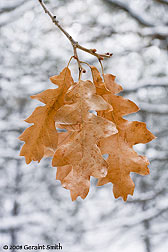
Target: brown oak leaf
{"points": [[81, 156], [41, 138], [122, 158]]}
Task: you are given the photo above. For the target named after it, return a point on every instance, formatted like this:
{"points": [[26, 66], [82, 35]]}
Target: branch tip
{"points": [[74, 43]]}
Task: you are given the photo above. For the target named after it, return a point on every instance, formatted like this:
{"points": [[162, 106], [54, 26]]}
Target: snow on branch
{"points": [[146, 83], [131, 12], [154, 108], [162, 1], [145, 197], [6, 19], [17, 222], [10, 6], [157, 31]]}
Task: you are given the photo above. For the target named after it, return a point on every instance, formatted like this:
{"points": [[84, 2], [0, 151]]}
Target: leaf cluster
{"points": [[78, 152]]}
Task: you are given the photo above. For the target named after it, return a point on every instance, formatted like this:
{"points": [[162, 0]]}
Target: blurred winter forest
{"points": [[34, 208]]}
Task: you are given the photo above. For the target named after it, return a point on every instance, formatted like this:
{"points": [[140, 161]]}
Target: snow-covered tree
{"points": [[34, 207]]}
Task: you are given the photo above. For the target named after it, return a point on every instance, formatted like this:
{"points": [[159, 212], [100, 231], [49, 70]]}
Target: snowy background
{"points": [[34, 208]]}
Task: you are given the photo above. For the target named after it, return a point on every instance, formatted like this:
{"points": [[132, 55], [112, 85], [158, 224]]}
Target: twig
{"points": [[74, 43]]}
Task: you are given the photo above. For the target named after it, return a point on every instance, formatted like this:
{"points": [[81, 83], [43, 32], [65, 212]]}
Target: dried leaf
{"points": [[77, 153], [122, 158], [81, 152], [41, 138]]}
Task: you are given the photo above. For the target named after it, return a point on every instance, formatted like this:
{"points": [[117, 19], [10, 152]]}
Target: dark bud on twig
{"points": [[84, 71], [107, 53], [111, 54], [101, 58], [93, 50], [75, 57]]}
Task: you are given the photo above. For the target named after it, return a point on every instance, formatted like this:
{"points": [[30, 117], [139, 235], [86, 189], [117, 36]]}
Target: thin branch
{"points": [[145, 198], [81, 69], [74, 43], [162, 1]]}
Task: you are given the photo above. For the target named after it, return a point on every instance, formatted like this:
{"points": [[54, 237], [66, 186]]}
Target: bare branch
{"points": [[162, 1], [146, 197], [131, 12], [74, 43], [157, 31]]}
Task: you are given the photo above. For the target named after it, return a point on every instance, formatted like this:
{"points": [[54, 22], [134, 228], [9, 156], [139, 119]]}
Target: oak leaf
{"points": [[41, 138], [78, 152], [122, 159], [80, 157]]}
